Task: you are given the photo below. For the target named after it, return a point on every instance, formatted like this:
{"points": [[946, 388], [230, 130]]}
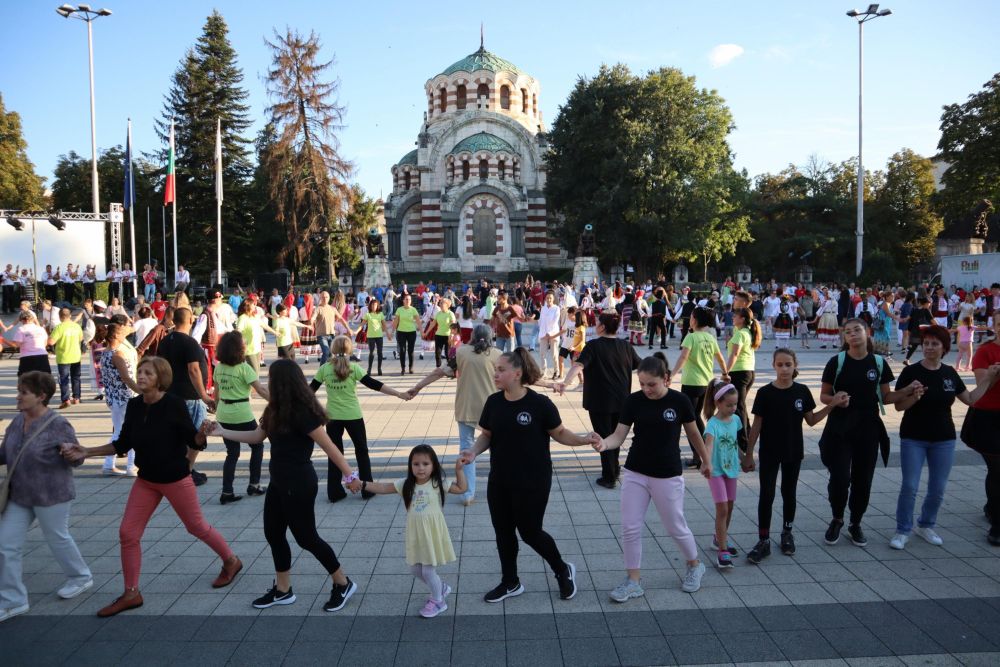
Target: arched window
{"points": [[534, 104], [443, 99], [484, 169], [406, 180], [502, 169], [524, 100], [483, 96], [505, 97], [484, 232], [460, 96], [465, 170]]}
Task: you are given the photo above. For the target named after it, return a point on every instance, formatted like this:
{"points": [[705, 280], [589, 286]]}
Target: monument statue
{"points": [[585, 247], [375, 246]]}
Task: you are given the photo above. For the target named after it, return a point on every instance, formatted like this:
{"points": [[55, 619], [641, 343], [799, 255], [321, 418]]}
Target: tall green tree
{"points": [[207, 86], [970, 144], [645, 160], [306, 174], [20, 186]]}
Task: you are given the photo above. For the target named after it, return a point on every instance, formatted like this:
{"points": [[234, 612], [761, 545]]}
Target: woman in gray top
{"points": [[41, 487]]}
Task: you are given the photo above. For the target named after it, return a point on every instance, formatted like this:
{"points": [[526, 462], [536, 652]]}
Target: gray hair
{"points": [[482, 338]]}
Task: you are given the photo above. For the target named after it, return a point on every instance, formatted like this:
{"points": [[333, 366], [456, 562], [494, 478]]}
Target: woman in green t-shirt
{"points": [[699, 351], [284, 338], [741, 347], [404, 323], [444, 318], [233, 379], [374, 320], [341, 376]]}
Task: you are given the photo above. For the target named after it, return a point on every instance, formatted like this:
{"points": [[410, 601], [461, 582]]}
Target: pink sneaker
{"points": [[432, 608]]}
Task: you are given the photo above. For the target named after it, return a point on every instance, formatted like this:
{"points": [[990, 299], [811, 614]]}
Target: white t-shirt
{"points": [[772, 306]]}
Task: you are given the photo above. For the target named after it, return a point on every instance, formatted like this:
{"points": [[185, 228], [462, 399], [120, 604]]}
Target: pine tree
{"points": [[306, 175], [207, 86], [20, 187]]}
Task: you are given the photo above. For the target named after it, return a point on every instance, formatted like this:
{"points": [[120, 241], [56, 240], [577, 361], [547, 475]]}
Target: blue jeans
{"points": [[324, 347], [69, 377], [517, 333], [912, 453], [505, 344], [197, 411], [150, 292], [466, 439]]}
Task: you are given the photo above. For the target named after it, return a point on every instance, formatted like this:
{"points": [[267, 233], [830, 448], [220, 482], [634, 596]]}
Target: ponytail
{"points": [[522, 360], [655, 365], [715, 387], [341, 349]]}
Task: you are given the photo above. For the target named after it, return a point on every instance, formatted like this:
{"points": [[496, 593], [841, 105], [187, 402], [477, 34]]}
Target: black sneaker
{"points": [[787, 543], [227, 498], [833, 532], [503, 591], [857, 535], [274, 597], [567, 582], [340, 595], [256, 490], [367, 494], [600, 481], [760, 551], [993, 537], [198, 478], [692, 463]]}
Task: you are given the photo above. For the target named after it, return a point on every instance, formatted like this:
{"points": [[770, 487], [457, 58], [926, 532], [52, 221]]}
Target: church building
{"points": [[471, 197]]}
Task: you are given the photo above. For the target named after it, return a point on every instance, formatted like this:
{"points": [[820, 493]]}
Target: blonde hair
{"points": [[339, 300], [341, 349]]}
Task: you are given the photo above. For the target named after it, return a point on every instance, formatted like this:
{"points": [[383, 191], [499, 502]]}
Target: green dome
{"points": [[484, 141], [482, 60], [409, 158]]}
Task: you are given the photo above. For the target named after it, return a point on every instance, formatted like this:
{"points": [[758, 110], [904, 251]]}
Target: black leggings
{"points": [[697, 396], [374, 352], [852, 462], [292, 506], [406, 341], [440, 345], [520, 509], [915, 342], [993, 490], [233, 455], [742, 380], [657, 323], [604, 424], [768, 471], [359, 438]]}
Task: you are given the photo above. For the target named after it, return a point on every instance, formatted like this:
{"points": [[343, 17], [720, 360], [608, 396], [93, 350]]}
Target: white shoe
{"points": [[11, 612], [929, 536], [113, 472], [70, 590], [899, 541]]}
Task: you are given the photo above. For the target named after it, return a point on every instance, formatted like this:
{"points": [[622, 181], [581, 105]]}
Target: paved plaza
{"points": [[826, 605]]}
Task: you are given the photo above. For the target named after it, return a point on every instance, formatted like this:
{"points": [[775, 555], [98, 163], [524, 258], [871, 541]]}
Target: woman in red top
{"points": [[981, 430]]}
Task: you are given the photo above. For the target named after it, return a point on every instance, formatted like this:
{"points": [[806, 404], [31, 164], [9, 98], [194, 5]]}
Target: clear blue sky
{"points": [[789, 76]]}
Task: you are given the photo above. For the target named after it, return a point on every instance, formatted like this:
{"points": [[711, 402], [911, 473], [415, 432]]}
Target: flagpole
{"points": [[149, 243], [218, 200], [164, 221], [131, 206], [173, 198]]}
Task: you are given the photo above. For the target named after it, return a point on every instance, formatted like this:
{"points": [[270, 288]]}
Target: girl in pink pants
{"points": [[653, 471]]}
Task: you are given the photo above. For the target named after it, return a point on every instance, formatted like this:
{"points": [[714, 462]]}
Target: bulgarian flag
{"points": [[169, 192]]}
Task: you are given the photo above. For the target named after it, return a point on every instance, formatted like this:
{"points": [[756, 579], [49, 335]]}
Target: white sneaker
{"points": [[692, 578], [899, 541], [70, 589], [929, 536], [627, 590], [11, 612]]}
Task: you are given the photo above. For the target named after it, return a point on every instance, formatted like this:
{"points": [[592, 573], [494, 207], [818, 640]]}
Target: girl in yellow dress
{"points": [[428, 543]]}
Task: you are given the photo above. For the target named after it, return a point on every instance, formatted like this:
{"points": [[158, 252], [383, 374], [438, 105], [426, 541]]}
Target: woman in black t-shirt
{"points": [[927, 432], [516, 426], [854, 433], [653, 471], [293, 420]]}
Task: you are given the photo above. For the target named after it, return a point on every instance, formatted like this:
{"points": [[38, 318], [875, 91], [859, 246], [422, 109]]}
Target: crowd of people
{"points": [[164, 365]]}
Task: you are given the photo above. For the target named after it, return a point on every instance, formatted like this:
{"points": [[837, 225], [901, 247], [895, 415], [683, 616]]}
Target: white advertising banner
{"points": [[80, 244], [968, 271]]}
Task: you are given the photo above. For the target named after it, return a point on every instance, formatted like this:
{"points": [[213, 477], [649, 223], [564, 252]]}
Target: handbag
{"points": [[5, 484]]}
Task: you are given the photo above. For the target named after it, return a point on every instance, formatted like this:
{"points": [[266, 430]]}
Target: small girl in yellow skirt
{"points": [[428, 543]]}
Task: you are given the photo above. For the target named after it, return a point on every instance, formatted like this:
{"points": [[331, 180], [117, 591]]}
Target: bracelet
{"points": [[364, 486], [347, 479]]}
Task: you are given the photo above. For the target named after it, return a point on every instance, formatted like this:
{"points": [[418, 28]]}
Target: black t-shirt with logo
{"points": [[929, 419], [781, 412], [519, 442], [655, 450], [861, 380], [607, 370]]}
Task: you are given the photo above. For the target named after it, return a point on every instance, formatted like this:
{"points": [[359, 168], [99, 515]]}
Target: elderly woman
{"points": [[30, 340], [41, 487]]}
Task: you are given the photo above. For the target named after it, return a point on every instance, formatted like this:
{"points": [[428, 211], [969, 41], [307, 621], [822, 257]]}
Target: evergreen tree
{"points": [[306, 175], [20, 187], [207, 86]]}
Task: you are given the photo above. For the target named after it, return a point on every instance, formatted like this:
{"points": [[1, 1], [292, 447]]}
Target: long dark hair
{"points": [[289, 397], [864, 325], [467, 311], [522, 360], [437, 477]]}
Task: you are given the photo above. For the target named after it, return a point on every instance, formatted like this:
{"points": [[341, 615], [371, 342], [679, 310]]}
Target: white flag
{"points": [[218, 160]]}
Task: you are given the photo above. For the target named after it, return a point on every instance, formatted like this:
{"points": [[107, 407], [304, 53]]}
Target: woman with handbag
{"points": [[39, 485], [981, 430]]}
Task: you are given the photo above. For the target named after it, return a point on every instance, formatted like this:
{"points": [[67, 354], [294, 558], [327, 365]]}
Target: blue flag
{"points": [[128, 198]]}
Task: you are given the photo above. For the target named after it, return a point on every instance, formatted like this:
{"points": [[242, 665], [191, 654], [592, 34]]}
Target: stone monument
{"points": [[376, 264], [585, 269]]}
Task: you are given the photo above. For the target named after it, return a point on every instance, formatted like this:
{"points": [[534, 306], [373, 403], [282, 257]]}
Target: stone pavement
{"points": [[835, 605]]}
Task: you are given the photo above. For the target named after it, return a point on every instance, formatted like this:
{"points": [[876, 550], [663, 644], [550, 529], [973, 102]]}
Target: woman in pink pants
{"points": [[653, 471]]}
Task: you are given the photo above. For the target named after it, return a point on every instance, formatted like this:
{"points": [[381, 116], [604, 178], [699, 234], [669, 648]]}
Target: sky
{"points": [[789, 75]]}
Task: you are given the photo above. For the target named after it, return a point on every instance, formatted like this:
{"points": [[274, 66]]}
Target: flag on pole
{"points": [[169, 192], [218, 159], [129, 196]]}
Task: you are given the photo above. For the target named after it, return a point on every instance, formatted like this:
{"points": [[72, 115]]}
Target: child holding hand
{"points": [[721, 433]]}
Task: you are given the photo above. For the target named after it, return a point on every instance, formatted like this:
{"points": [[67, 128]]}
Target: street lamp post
{"points": [[873, 12], [88, 15]]}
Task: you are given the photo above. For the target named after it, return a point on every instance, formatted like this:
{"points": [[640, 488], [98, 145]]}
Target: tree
{"points": [[970, 145], [20, 186], [307, 177], [645, 161], [729, 224], [206, 87]]}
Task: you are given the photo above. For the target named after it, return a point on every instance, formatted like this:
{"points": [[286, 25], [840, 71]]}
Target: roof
{"points": [[482, 60], [409, 158], [484, 141]]}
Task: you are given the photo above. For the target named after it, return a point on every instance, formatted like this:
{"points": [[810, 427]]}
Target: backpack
{"points": [[879, 363]]}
